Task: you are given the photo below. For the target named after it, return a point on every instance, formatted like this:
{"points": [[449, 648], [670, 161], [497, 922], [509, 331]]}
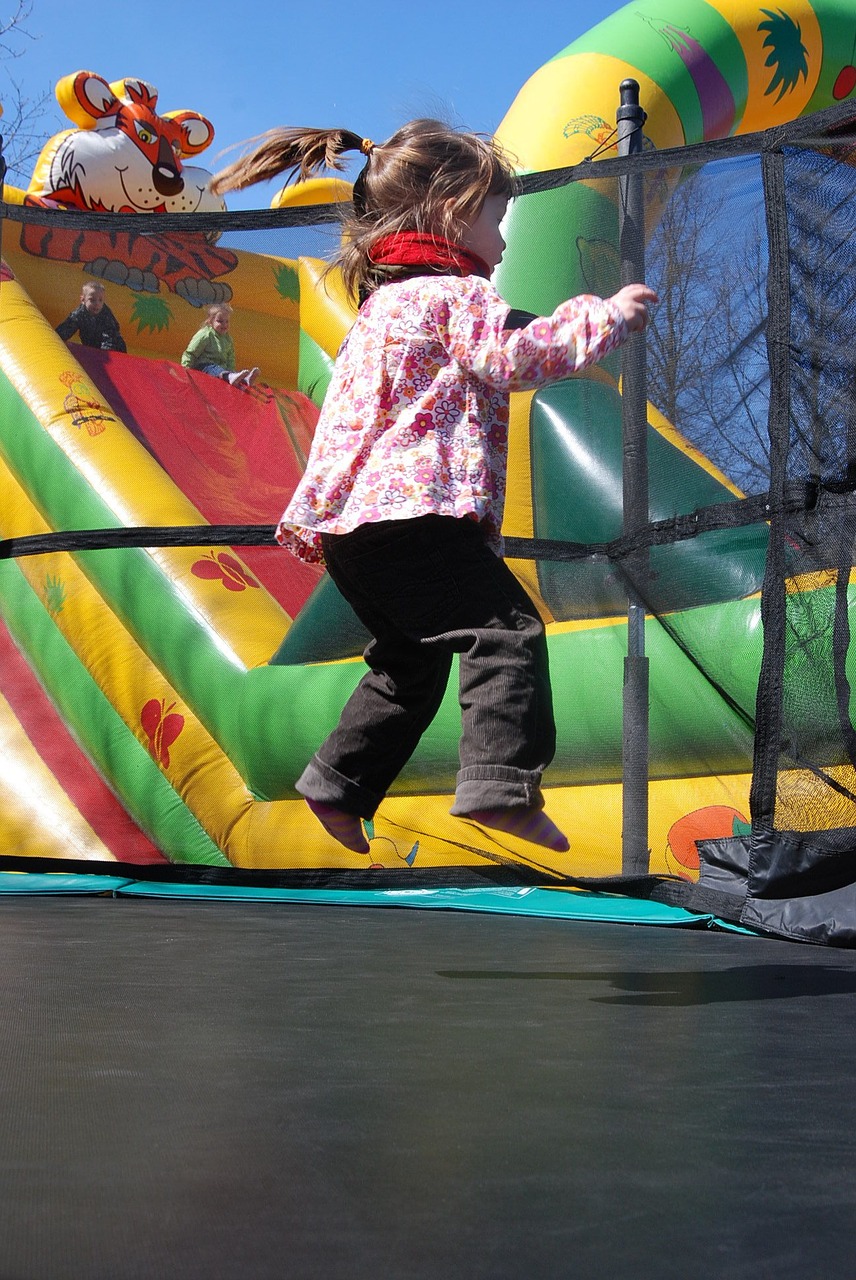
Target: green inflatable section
{"points": [[576, 449], [315, 368], [552, 258]]}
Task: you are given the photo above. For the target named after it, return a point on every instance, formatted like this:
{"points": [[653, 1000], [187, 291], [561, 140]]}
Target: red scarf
{"points": [[414, 248]]}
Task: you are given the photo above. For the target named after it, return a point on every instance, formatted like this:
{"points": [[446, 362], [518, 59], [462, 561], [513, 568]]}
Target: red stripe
{"points": [[237, 455], [83, 785]]}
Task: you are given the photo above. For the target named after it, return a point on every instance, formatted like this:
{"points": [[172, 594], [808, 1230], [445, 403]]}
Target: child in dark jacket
{"points": [[93, 320]]}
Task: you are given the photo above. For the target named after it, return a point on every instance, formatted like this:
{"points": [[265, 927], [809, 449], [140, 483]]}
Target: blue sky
{"points": [[250, 67]]}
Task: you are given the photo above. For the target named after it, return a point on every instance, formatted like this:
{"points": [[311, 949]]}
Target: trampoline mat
{"points": [[262, 1089]]}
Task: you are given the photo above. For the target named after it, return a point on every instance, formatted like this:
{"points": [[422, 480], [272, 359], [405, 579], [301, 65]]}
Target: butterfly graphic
{"points": [[219, 564], [85, 411]]}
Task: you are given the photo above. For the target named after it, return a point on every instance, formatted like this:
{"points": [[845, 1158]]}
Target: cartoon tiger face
{"points": [[124, 157]]}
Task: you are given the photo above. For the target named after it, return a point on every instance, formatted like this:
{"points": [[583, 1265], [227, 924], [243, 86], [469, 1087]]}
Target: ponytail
{"points": [[297, 152], [428, 177]]}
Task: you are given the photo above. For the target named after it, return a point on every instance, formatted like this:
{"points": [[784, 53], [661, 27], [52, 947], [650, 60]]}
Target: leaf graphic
{"points": [[151, 313], [287, 283]]}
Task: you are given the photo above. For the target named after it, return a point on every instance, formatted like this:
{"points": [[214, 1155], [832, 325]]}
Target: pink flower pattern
{"points": [[415, 420]]}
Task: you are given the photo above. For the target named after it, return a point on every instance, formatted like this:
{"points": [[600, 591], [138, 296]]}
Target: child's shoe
{"points": [[234, 378]]}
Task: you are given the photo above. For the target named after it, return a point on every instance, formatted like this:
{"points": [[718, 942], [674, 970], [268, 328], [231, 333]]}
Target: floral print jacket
{"points": [[415, 421]]}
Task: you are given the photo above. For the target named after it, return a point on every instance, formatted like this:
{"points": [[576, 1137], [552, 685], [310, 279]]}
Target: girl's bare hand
{"points": [[632, 301]]}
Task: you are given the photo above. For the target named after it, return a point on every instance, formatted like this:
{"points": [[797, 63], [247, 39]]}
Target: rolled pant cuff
{"points": [[319, 781], [498, 787]]}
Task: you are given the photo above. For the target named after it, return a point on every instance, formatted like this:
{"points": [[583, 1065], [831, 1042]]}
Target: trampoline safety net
{"points": [[166, 670]]}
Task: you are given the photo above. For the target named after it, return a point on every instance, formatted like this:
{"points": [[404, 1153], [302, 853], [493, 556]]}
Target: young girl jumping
{"points": [[404, 489]]}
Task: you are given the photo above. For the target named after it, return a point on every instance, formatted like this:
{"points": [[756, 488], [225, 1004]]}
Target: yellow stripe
{"points": [[326, 310], [38, 818], [518, 519], [592, 818], [664, 428]]}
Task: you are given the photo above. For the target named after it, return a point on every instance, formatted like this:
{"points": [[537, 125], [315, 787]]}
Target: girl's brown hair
{"points": [[427, 177]]}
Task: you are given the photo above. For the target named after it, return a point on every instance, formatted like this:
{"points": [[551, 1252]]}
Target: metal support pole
{"points": [[634, 418]]}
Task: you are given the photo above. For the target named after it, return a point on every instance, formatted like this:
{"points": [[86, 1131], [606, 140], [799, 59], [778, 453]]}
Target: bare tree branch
{"points": [[707, 366], [14, 27], [27, 119]]}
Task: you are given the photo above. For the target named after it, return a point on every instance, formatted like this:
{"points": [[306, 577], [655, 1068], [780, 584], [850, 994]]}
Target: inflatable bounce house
{"points": [[166, 671]]}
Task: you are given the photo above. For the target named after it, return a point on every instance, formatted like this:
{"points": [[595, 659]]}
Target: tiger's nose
{"points": [[166, 178]]}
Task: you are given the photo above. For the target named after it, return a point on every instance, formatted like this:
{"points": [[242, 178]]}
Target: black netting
{"points": [[707, 358], [741, 570], [816, 783]]}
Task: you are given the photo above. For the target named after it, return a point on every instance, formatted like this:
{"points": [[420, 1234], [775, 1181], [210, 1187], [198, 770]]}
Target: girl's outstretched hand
{"points": [[632, 301]]}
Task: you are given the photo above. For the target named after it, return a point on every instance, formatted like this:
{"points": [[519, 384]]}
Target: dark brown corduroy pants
{"points": [[428, 588]]}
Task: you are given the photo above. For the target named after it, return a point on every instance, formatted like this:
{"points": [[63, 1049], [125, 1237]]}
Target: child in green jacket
{"points": [[211, 349]]}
